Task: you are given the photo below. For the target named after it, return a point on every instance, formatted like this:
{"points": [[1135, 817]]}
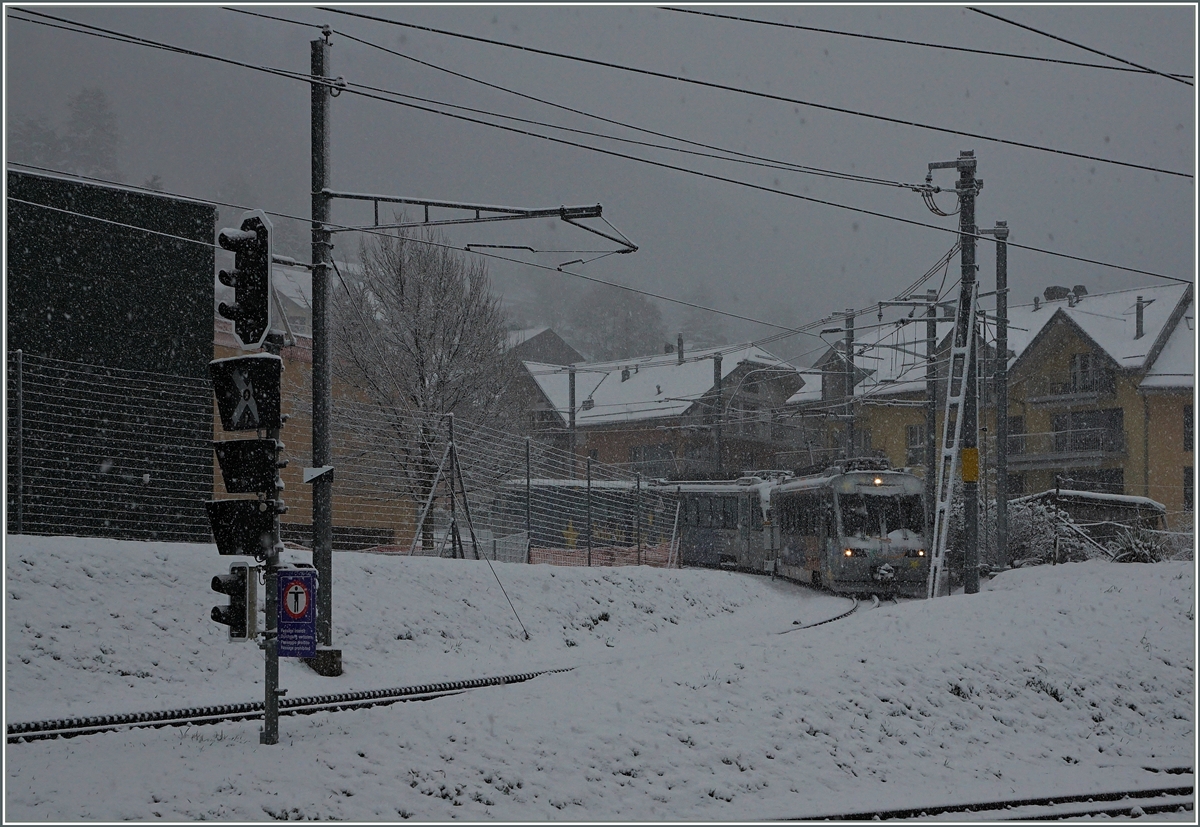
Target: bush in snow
{"points": [[1139, 545]]}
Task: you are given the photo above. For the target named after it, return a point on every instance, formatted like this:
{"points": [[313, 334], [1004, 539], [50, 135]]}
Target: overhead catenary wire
{"points": [[308, 79], [1137, 66], [906, 42], [751, 92], [110, 34]]}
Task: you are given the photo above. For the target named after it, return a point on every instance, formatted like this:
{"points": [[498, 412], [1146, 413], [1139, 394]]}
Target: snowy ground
{"points": [[685, 702]]}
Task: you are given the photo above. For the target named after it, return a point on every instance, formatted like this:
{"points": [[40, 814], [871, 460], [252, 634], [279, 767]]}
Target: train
{"points": [[853, 532], [847, 529]]}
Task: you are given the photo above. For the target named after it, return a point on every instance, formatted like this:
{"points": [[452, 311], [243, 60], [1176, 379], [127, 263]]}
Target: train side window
{"points": [[756, 518], [731, 512]]}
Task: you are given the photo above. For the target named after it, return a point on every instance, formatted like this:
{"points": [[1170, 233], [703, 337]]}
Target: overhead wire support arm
{"points": [[571, 215]]}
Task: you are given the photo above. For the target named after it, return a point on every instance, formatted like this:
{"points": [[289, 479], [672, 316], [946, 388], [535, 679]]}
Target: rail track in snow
{"points": [[252, 710], [1128, 803]]}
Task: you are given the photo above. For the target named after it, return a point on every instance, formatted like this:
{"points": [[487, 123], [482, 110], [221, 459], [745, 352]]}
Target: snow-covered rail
{"points": [[1129, 803], [844, 614], [70, 727]]}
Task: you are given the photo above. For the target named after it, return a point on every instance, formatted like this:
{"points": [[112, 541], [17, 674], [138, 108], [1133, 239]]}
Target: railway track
{"points": [[853, 608], [251, 710], [1128, 803]]}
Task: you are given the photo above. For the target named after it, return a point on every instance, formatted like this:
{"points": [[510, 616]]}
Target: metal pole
{"points": [[589, 510], [849, 364], [931, 458], [528, 501], [1001, 233], [20, 446], [270, 731], [571, 419], [322, 353], [637, 481], [720, 410], [455, 542], [967, 186]]}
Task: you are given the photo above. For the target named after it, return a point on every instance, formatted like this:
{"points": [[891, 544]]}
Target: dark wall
{"points": [[110, 332], [89, 291]]}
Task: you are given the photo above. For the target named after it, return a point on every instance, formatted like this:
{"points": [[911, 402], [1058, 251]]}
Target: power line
{"points": [[904, 42], [749, 185], [764, 161], [1079, 45], [741, 157], [120, 37], [754, 93], [309, 80]]}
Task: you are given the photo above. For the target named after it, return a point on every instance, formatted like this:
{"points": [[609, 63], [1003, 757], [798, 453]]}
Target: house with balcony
{"points": [[1080, 415], [666, 415]]}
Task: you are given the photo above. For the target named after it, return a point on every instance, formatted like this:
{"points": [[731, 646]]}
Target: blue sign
{"points": [[297, 622]]}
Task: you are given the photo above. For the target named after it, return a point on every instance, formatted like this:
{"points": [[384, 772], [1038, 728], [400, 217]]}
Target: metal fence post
{"points": [[528, 501], [637, 478], [19, 427], [589, 510]]}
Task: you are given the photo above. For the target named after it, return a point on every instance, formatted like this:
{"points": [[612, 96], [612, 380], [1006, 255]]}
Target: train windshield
{"points": [[876, 515]]}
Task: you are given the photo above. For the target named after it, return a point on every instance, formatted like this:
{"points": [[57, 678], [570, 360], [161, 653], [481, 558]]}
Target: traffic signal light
{"points": [[244, 527], [247, 391], [250, 278], [241, 613], [249, 465]]}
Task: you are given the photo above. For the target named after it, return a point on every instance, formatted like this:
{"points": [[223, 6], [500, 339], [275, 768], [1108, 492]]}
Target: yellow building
{"points": [[1079, 415], [1100, 394]]}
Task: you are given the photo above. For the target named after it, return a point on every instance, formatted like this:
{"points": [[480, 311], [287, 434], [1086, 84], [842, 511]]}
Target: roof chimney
{"points": [[1071, 299], [1140, 331], [679, 348], [1080, 290], [1037, 303]]}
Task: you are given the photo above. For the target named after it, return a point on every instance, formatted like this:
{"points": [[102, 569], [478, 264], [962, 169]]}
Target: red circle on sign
{"points": [[296, 595]]}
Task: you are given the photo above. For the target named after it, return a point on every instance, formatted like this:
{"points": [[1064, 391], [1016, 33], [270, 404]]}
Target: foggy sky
{"points": [[220, 132]]}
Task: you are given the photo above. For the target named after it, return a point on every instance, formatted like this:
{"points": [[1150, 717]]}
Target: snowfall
{"points": [[692, 695]]}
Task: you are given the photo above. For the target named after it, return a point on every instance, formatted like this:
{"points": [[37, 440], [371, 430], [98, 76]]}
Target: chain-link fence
{"points": [[96, 451], [497, 494], [105, 452]]}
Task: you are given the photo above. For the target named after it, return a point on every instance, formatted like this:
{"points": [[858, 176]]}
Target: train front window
{"points": [[869, 515]]}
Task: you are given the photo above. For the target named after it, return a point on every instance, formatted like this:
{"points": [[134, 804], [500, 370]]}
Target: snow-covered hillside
{"points": [[685, 702]]}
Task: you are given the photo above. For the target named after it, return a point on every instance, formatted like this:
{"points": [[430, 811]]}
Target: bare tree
{"points": [[422, 335]]}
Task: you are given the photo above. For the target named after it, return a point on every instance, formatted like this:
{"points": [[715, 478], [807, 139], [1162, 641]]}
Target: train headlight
{"points": [[848, 552], [879, 480], [920, 552]]}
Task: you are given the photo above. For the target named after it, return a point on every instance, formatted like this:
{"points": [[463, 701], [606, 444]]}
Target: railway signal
{"points": [[242, 612], [250, 278], [247, 389]]}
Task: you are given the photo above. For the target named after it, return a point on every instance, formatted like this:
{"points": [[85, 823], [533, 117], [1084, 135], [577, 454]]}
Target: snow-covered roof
{"points": [[657, 386], [810, 391], [516, 337], [1099, 496], [1175, 365], [1108, 319]]}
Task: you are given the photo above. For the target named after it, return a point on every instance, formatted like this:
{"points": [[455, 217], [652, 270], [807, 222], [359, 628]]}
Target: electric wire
{"points": [[309, 79], [754, 93], [904, 42], [1079, 46], [750, 158], [741, 157]]}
